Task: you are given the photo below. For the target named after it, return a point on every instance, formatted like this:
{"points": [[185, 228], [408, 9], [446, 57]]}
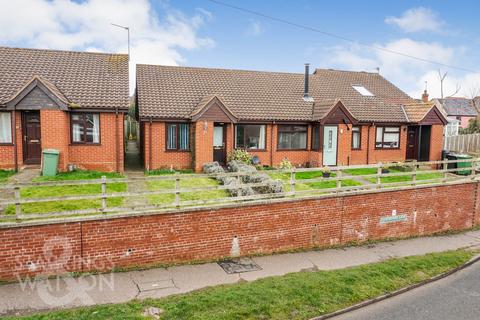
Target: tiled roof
{"points": [[458, 107], [416, 112], [174, 92], [88, 80]]}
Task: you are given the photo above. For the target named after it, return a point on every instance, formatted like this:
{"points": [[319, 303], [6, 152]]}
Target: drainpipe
{"points": [[150, 145], [271, 144], [117, 156], [368, 143], [15, 152]]}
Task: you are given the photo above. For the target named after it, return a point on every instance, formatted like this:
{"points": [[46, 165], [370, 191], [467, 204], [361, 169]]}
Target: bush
{"points": [[285, 164], [239, 155]]}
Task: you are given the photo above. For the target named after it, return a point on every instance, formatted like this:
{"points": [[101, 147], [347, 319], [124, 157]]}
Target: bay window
{"points": [[250, 136], [178, 136], [292, 137], [5, 127], [387, 138], [356, 138], [85, 128]]}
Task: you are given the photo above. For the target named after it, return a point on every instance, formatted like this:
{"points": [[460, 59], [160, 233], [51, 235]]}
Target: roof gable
{"points": [[433, 116], [336, 113], [212, 108], [38, 94]]}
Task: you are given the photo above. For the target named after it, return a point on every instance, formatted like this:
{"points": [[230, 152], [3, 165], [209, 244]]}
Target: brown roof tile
{"points": [[88, 80], [174, 92]]}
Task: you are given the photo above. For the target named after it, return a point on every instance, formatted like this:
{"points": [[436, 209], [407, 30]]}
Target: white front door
{"points": [[330, 145]]}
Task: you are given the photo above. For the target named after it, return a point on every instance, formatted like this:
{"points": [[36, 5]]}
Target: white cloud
{"points": [[408, 74], [69, 25], [255, 28], [417, 19]]}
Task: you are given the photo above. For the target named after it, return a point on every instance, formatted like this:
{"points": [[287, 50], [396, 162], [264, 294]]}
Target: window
{"points": [[356, 138], [387, 137], [363, 91], [85, 128], [250, 136], [5, 127], [178, 136], [293, 137], [316, 137]]}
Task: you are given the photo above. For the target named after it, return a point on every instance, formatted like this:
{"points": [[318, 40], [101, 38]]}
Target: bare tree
{"points": [[441, 77], [473, 91]]}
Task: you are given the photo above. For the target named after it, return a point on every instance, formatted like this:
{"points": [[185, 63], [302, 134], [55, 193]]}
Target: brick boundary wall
{"points": [[196, 235]]}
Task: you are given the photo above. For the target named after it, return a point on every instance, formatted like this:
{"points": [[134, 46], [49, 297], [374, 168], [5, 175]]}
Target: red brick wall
{"points": [[104, 156], [160, 157], [262, 228], [203, 149], [436, 142], [55, 134]]}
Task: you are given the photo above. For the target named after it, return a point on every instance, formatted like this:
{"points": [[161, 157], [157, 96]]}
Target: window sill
{"points": [[176, 150], [387, 148], [79, 144], [292, 150], [7, 144], [356, 149]]}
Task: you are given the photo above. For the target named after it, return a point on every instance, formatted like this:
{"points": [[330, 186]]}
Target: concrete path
{"points": [[156, 283], [136, 186], [24, 176], [455, 297]]}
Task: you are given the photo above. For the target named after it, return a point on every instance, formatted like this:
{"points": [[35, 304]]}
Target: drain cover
{"points": [[239, 265]]}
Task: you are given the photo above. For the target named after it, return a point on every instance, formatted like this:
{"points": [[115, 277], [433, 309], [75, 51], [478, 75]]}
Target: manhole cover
{"points": [[239, 265]]}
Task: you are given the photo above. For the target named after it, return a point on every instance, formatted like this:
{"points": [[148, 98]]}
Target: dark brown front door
{"points": [[32, 145], [219, 153], [412, 143]]}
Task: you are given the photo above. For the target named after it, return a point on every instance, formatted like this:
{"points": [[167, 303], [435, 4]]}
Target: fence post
{"points": [[339, 181], [104, 193], [472, 170], [445, 168], [292, 180], [18, 207], [379, 175], [414, 174], [177, 190]]}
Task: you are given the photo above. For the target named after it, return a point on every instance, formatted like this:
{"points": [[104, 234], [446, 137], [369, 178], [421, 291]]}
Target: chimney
{"points": [[425, 96], [306, 95]]}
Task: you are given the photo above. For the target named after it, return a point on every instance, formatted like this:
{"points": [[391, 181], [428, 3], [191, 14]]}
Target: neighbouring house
{"points": [[461, 109], [73, 102], [190, 116]]}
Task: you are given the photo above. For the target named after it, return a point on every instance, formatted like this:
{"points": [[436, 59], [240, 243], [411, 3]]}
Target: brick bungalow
{"points": [[189, 116], [70, 101]]}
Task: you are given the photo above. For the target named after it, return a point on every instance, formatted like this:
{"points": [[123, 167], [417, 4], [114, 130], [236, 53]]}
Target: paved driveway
{"points": [[456, 297]]}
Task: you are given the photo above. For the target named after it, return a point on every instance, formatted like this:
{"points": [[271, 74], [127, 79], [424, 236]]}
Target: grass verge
{"points": [[294, 296]]}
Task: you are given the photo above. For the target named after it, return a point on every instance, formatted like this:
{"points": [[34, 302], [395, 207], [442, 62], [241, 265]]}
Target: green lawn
{"points": [[300, 295], [69, 190], [161, 172], [361, 171], [5, 174], [185, 183], [406, 178], [79, 175], [300, 186]]}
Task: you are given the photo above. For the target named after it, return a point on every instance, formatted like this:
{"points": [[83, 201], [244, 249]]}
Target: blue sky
{"points": [[202, 33]]}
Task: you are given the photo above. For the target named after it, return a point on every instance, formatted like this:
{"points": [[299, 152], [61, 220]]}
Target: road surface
{"points": [[456, 297]]}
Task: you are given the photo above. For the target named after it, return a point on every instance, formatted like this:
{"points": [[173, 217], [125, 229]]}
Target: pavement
{"points": [[454, 297], [32, 296]]}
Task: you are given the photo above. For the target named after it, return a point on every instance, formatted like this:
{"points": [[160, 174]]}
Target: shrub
{"points": [[285, 164], [212, 167], [239, 155]]}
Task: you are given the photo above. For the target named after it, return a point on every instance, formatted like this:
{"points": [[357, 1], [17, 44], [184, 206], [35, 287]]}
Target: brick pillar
{"points": [[55, 134], [203, 144]]}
